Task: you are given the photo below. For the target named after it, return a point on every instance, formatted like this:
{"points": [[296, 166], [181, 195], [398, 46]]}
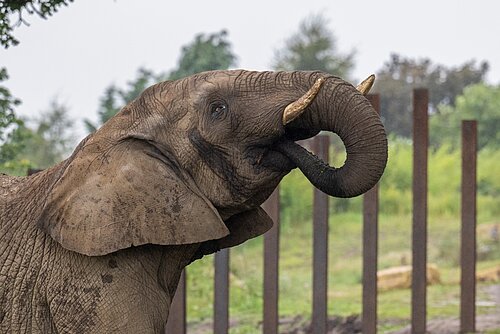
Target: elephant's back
{"points": [[8, 184]]}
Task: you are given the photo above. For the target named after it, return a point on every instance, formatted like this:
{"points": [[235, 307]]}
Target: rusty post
{"points": [[221, 292], [370, 249], [419, 234], [468, 245], [176, 323], [271, 257], [320, 246]]}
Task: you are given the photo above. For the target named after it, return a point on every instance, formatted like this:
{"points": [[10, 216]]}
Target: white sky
{"points": [[90, 44]]}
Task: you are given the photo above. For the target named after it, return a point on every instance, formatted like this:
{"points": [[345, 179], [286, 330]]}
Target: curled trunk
{"points": [[341, 109]]}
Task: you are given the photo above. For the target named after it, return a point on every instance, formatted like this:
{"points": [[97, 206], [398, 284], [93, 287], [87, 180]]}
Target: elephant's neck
{"points": [[22, 200], [23, 272], [174, 260], [23, 246]]}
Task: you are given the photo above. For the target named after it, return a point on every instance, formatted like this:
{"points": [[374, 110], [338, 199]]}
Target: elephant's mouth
{"points": [[279, 155], [286, 154]]}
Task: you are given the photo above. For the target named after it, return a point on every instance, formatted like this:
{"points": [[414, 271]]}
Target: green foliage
{"points": [[14, 143], [10, 133], [20, 146], [313, 47], [205, 53], [479, 102], [7, 103], [53, 138], [396, 185], [443, 182], [396, 181], [47, 143], [11, 161], [399, 76], [488, 180], [296, 198], [43, 8]]}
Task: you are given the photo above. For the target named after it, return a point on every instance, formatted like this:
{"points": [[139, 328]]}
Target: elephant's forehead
{"points": [[212, 84], [238, 82], [216, 77]]}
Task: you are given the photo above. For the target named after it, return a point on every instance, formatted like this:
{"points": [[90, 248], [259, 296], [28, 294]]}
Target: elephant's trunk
{"points": [[341, 109]]}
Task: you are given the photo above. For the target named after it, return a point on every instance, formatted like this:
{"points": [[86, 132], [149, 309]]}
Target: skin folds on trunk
{"points": [[341, 109]]}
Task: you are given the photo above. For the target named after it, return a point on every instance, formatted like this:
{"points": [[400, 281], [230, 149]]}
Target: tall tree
{"points": [[45, 143], [400, 75], [7, 104], [480, 102], [205, 53], [55, 128], [11, 160], [8, 9], [313, 47]]}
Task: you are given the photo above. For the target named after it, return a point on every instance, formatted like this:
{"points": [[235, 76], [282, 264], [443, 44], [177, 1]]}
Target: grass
{"points": [[344, 296]]}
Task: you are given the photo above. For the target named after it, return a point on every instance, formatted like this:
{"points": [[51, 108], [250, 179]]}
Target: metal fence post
{"points": [[370, 249], [221, 292], [419, 235], [320, 246], [271, 260], [468, 245]]}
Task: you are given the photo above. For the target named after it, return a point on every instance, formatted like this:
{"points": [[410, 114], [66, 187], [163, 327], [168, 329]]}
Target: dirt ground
{"points": [[484, 322], [352, 324]]}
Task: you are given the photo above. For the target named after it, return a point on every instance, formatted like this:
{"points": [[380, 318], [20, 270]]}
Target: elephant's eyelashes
{"points": [[218, 109]]}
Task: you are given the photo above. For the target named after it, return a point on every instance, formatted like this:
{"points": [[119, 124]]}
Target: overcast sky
{"points": [[90, 44]]}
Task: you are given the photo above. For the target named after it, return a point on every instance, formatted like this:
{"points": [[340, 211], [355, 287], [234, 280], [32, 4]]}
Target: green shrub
{"points": [[444, 185], [295, 198]]}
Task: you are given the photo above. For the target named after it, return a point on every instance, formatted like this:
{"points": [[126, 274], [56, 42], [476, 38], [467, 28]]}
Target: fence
{"points": [[177, 319]]}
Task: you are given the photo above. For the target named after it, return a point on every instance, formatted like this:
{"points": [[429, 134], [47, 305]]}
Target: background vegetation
{"points": [[456, 93]]}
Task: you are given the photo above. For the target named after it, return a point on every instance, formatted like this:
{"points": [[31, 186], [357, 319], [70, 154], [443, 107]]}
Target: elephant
{"points": [[97, 243]]}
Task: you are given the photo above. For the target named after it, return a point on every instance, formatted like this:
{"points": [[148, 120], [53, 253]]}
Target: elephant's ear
{"points": [[245, 225], [242, 226], [128, 195]]}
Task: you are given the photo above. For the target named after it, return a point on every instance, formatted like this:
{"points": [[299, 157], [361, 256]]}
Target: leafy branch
{"points": [[7, 103], [10, 8]]}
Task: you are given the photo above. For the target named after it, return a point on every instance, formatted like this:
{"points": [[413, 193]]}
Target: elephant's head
{"points": [[190, 160]]}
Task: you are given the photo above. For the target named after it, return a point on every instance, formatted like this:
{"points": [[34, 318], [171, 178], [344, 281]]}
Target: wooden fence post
{"points": [[321, 145], [370, 249], [271, 258], [419, 235], [468, 245]]}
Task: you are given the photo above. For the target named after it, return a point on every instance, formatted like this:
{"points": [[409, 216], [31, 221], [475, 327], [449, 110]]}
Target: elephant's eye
{"points": [[218, 109]]}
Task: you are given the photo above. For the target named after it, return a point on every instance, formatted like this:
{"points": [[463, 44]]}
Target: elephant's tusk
{"points": [[365, 86], [294, 109]]}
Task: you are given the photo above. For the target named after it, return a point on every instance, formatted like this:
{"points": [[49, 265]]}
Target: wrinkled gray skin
{"points": [[96, 244]]}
